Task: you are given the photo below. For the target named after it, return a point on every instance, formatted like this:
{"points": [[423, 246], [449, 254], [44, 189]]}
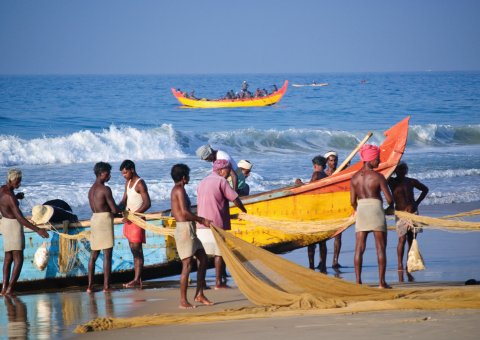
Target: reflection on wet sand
{"points": [[47, 316], [17, 318]]}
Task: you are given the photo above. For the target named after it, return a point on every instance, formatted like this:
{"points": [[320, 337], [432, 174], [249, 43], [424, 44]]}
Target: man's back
{"points": [[368, 184], [98, 198]]}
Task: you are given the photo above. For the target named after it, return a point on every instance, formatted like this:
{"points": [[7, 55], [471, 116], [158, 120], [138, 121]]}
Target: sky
{"points": [[221, 36]]}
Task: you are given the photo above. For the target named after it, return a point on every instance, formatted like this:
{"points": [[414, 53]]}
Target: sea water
{"points": [[55, 128]]}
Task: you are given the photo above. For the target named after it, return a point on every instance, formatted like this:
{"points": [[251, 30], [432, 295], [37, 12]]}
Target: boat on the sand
{"points": [[270, 99], [326, 199]]}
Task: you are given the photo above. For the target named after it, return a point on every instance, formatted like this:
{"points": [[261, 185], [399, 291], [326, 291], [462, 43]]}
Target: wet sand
{"points": [[451, 258], [444, 324]]}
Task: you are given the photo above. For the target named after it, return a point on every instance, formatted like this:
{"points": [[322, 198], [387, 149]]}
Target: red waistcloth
{"points": [[134, 233]]}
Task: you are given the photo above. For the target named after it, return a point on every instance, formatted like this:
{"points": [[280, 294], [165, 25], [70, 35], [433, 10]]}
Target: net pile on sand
{"points": [[279, 287]]}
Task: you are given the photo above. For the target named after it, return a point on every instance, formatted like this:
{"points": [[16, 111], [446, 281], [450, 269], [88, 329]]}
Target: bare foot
{"points": [[133, 284], [89, 289], [107, 289], [222, 286], [337, 266], [384, 286], [186, 305], [204, 300]]}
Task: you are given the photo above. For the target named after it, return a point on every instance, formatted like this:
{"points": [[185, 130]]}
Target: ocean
{"points": [[55, 128]]}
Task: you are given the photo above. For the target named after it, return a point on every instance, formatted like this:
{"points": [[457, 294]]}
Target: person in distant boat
{"points": [[366, 187], [188, 244], [11, 226], [137, 200], [207, 153], [101, 224], [275, 88], [192, 94], [402, 188], [244, 167], [213, 194], [332, 162]]}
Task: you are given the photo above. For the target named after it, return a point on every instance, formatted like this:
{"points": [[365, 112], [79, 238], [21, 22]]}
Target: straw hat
{"points": [[41, 214]]}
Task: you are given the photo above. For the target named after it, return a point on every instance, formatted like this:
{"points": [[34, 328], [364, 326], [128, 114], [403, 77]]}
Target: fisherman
{"points": [[103, 207], [318, 163], [11, 226], [213, 194], [207, 153], [332, 161], [402, 188], [188, 244], [243, 171], [137, 200], [366, 187]]}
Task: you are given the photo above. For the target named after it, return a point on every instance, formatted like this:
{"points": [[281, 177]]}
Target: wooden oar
{"points": [[349, 158]]}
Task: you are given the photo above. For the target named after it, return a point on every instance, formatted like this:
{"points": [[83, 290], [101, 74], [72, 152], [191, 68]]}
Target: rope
{"points": [[440, 223], [132, 217]]}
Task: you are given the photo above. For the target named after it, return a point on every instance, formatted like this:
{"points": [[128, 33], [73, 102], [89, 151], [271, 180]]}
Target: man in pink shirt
{"points": [[214, 194]]}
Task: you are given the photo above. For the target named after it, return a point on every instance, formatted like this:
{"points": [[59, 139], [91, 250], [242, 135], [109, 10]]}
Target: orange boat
{"points": [[326, 199], [243, 102]]}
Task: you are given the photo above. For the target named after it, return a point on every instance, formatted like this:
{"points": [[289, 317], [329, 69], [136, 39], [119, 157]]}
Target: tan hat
{"points": [[245, 164], [41, 214]]}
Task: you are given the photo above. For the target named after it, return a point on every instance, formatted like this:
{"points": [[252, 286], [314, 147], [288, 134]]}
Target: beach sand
{"points": [[418, 324], [448, 255]]}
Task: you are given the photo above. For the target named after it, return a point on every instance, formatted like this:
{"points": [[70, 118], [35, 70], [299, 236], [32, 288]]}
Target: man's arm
{"points": [[233, 174], [110, 202], [386, 191], [143, 191], [123, 203], [182, 213], [23, 221], [353, 195], [424, 191], [238, 203]]}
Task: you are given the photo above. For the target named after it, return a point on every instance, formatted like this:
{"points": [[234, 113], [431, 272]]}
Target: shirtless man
{"points": [[11, 226], [365, 196], [188, 244], [103, 207], [135, 199], [403, 194]]}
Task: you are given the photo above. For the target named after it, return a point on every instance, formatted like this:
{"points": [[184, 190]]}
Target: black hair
{"points": [[319, 160], [179, 171], [101, 167], [127, 164]]}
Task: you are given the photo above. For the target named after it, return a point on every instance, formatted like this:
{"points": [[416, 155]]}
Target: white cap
{"points": [[244, 164], [330, 153]]}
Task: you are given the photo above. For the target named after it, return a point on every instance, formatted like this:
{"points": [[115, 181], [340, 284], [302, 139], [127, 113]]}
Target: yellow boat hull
{"points": [[225, 103]]}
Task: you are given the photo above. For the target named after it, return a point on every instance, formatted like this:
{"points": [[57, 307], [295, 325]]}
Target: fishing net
{"points": [[442, 223], [281, 288]]}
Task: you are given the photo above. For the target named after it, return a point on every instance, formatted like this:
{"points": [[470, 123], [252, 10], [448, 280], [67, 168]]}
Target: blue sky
{"points": [[213, 36]]}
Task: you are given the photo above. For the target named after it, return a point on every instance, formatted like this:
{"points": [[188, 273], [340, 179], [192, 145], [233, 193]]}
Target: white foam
{"points": [[113, 144]]}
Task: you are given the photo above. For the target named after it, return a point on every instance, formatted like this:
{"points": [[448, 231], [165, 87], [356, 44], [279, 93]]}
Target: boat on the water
{"points": [[326, 199], [310, 85], [239, 102]]}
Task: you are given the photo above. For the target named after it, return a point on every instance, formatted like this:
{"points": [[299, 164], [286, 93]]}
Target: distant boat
{"points": [[241, 102], [312, 85]]}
